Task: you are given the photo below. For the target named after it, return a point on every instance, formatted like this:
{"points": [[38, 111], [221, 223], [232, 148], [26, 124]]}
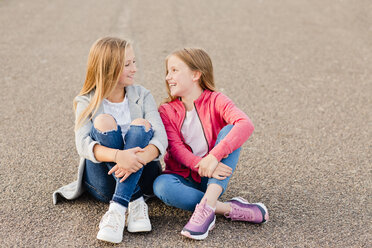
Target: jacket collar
{"points": [[203, 96], [132, 94]]}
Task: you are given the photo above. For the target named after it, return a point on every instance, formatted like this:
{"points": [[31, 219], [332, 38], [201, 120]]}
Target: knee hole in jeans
{"points": [[105, 123], [141, 122]]}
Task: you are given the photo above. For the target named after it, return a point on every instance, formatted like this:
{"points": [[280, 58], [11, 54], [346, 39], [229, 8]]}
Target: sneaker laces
{"points": [[111, 219], [238, 213], [139, 211], [200, 214]]}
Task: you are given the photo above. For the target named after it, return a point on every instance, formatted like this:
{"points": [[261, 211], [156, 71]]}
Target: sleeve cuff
{"points": [[91, 153], [159, 146], [218, 152]]}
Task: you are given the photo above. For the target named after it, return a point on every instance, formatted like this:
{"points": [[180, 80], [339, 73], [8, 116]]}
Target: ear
{"points": [[196, 76]]}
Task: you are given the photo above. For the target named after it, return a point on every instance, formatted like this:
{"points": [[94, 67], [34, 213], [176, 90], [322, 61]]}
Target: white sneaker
{"points": [[138, 216], [111, 226]]}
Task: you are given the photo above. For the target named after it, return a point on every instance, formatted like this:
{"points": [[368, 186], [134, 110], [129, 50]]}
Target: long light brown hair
{"points": [[105, 65], [197, 60]]}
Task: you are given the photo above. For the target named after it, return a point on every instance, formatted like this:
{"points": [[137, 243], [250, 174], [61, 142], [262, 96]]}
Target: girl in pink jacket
{"points": [[205, 132]]}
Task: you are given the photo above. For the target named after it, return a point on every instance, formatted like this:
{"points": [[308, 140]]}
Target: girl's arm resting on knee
{"points": [[243, 127], [210, 167], [104, 154], [125, 159], [207, 166], [149, 153]]}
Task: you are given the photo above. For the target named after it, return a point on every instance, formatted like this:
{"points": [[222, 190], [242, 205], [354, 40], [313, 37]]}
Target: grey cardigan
{"points": [[141, 105]]}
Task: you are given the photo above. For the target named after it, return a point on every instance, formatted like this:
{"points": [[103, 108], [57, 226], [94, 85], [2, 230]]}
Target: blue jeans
{"points": [[106, 187], [177, 191]]}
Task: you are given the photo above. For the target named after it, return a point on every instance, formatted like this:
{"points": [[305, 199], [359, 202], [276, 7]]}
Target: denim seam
{"points": [[135, 191]]}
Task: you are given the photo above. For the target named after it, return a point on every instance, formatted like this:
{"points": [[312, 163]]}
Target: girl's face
{"points": [[181, 80], [130, 68]]}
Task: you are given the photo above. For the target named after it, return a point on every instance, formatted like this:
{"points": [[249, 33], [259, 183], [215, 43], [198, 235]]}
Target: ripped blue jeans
{"points": [[106, 187]]}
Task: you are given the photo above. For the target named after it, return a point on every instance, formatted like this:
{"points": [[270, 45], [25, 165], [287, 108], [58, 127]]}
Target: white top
{"points": [[120, 111], [192, 132]]}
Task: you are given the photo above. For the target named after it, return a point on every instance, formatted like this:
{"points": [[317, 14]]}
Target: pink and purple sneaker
{"points": [[242, 210], [201, 222]]}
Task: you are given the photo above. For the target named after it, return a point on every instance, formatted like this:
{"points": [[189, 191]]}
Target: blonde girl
{"points": [[119, 136], [205, 132]]}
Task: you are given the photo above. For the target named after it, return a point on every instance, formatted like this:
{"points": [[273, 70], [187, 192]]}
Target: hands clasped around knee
{"points": [[127, 162], [210, 167]]}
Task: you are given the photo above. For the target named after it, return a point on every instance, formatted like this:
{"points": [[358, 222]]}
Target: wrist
{"points": [[212, 159], [116, 154]]}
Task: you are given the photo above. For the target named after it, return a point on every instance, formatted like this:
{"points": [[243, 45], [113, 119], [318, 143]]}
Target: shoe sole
{"points": [[260, 204], [135, 230], [199, 237], [108, 239]]}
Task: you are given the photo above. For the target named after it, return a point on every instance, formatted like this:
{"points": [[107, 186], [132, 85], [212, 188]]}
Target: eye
{"points": [[134, 61]]}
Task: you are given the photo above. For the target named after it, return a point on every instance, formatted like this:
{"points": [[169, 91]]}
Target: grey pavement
{"points": [[300, 69]]}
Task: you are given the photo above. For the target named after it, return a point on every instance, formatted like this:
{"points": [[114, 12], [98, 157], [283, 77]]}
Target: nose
{"points": [[134, 68], [167, 77]]}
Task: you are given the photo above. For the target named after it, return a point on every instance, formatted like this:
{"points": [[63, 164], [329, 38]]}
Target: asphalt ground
{"points": [[300, 69]]}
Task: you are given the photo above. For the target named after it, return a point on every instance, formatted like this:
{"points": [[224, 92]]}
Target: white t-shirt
{"points": [[192, 132], [120, 111]]}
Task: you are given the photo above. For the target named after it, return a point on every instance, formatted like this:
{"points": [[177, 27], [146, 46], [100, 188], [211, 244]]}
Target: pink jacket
{"points": [[215, 110]]}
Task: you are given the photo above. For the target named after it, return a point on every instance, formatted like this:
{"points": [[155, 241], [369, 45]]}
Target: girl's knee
{"points": [[105, 123], [141, 122], [164, 185], [160, 185]]}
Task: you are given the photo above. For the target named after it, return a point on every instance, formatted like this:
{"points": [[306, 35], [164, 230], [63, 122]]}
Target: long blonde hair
{"points": [[197, 60], [105, 65]]}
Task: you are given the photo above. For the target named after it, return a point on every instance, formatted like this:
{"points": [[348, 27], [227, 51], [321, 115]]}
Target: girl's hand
{"points": [[128, 161], [122, 173], [207, 166], [222, 171]]}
